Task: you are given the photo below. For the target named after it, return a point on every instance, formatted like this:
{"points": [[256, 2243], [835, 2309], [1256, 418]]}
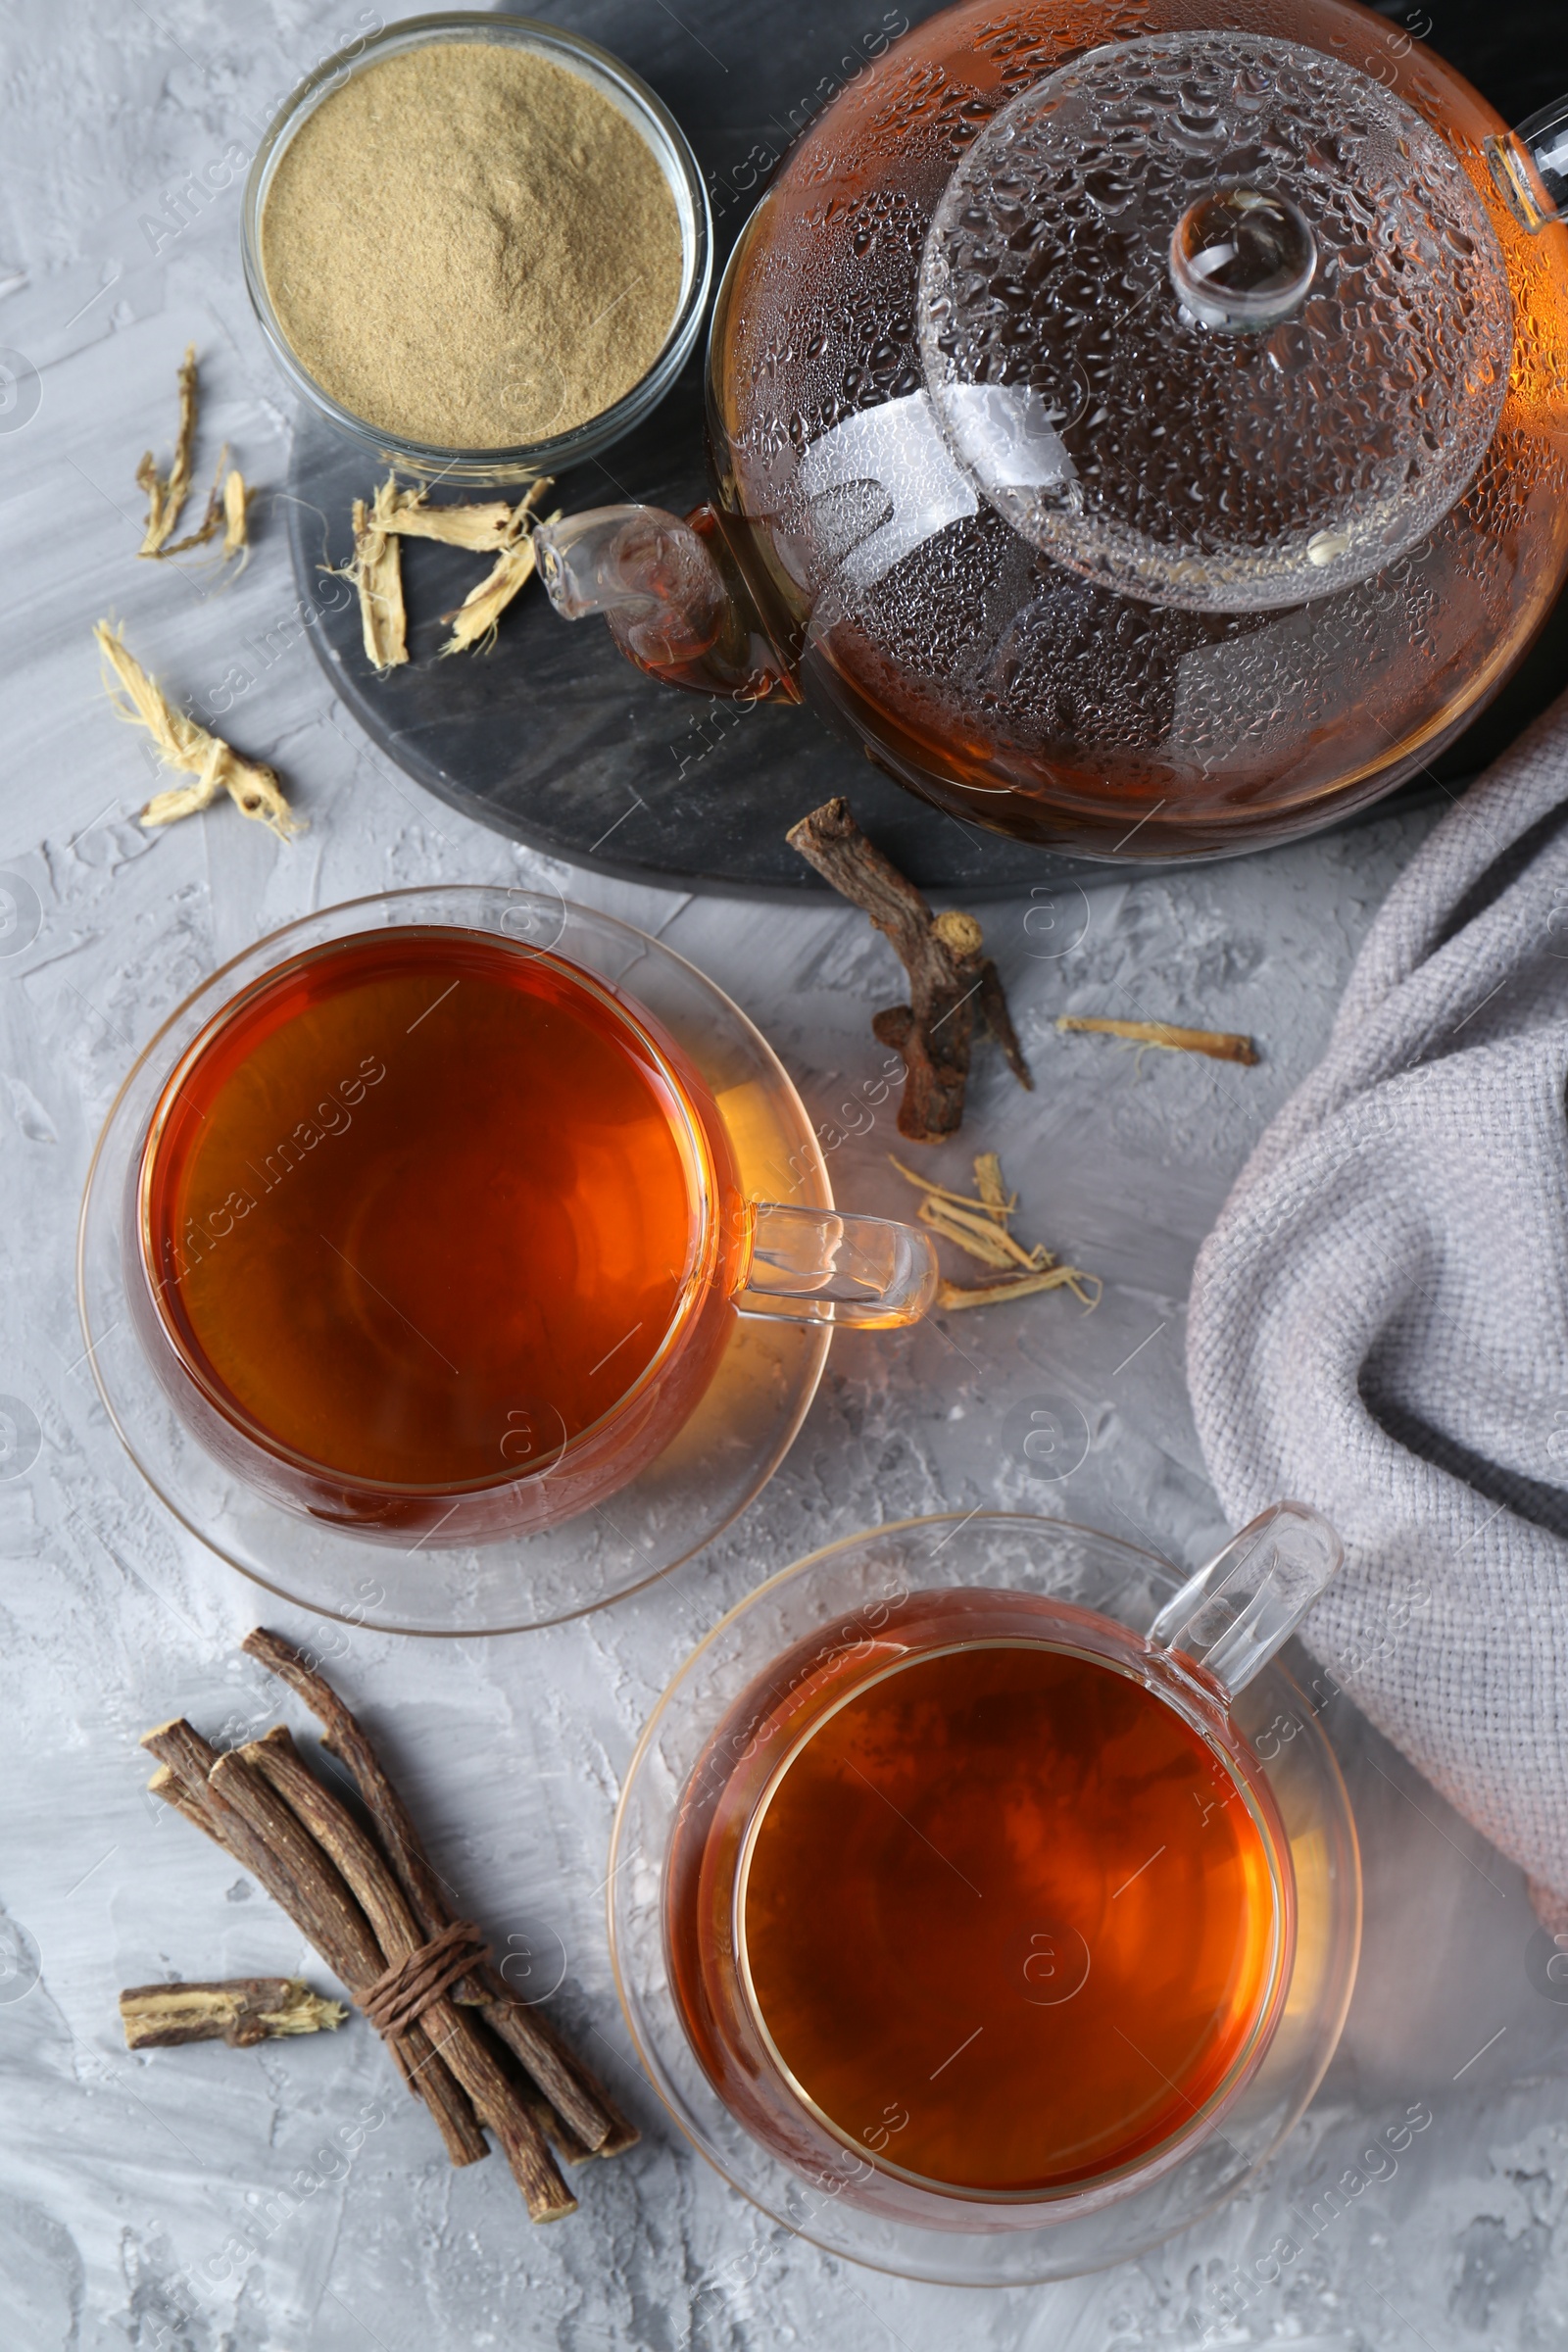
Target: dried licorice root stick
{"points": [[227, 501], [481, 527], [183, 745], [211, 523], [323, 1915], [376, 575], [950, 981], [477, 620], [489, 526], [227, 509], [241, 2011], [236, 517], [1220, 1045], [978, 1225], [368, 1872], [166, 495], [479, 616], [238, 1782], [580, 2103], [951, 1296]]}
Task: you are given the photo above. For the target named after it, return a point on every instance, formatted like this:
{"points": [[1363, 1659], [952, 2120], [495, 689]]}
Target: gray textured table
{"points": [[123, 2179]]}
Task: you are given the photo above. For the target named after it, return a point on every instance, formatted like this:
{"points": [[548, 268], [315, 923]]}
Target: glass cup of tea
{"points": [[979, 1909], [435, 1234]]}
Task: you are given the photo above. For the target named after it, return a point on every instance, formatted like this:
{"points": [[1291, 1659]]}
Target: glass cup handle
{"points": [[816, 1265], [1238, 1610]]}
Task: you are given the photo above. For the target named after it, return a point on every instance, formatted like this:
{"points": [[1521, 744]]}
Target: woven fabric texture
{"points": [[1379, 1319]]}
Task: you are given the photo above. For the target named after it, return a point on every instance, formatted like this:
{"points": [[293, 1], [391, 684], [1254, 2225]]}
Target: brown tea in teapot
{"points": [[1140, 422]]}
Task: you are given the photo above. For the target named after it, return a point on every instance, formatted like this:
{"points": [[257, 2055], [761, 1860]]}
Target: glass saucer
{"points": [[722, 1457], [863, 1573]]}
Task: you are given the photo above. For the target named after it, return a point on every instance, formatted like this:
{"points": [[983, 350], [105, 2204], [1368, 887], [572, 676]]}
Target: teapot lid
{"points": [[1215, 320]]}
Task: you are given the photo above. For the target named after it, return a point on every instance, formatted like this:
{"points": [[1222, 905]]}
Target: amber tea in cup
{"points": [[1000, 1866], [442, 1235], [991, 1899], [425, 1209]]}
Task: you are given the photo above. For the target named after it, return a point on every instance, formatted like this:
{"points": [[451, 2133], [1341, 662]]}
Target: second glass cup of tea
{"points": [[979, 1908], [441, 1236]]}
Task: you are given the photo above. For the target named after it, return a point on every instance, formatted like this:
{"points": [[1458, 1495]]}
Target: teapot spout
{"points": [[1530, 166], [672, 596]]}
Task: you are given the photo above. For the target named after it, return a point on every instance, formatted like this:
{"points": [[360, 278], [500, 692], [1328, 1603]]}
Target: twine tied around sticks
{"points": [[405, 1990]]}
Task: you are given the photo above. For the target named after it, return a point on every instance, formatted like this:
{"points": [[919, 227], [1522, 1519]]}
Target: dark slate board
{"points": [[557, 741]]}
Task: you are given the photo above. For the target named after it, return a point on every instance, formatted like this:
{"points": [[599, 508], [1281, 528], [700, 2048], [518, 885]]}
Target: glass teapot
{"points": [[1141, 423]]}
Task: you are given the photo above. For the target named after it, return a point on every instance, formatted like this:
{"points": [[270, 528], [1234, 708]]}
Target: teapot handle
{"points": [[1530, 166], [672, 595], [1247, 1601]]}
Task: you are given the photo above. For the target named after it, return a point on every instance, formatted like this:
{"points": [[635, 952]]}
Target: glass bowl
{"points": [[864, 1574], [720, 1458], [672, 152]]}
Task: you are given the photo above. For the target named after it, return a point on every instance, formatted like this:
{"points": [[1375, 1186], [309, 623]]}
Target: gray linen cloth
{"points": [[1378, 1320]]}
